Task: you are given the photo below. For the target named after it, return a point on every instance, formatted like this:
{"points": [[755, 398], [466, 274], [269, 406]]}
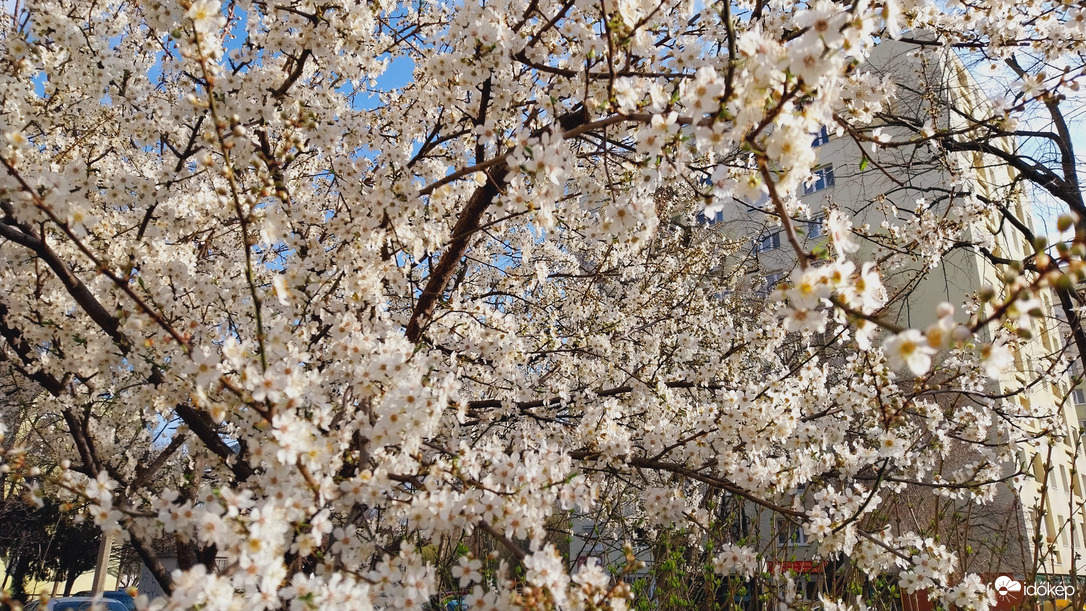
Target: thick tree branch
{"points": [[1040, 175], [715, 482], [293, 75], [75, 287], [201, 424], [465, 227], [146, 472]]}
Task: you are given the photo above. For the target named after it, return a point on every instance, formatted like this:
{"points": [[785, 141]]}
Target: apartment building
{"points": [[1076, 373], [1037, 523]]}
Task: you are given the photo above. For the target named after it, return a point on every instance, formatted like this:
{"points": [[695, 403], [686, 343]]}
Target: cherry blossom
{"points": [[910, 349], [315, 294]]}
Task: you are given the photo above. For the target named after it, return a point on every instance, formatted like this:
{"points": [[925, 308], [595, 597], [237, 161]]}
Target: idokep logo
{"points": [[1005, 586]]}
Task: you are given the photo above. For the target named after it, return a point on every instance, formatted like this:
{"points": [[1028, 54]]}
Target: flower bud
{"points": [[944, 310], [962, 333]]}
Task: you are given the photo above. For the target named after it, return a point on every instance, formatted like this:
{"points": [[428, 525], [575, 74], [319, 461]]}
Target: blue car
{"points": [[116, 595], [75, 603]]}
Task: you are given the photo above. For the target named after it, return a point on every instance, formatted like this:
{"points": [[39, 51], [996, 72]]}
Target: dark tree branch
{"points": [[465, 226], [293, 76]]}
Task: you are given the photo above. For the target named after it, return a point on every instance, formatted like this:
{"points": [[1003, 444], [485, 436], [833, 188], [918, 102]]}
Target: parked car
{"points": [[118, 595], [75, 603]]}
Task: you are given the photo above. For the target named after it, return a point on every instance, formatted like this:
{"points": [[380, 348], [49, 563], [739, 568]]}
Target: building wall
{"points": [[1050, 494]]}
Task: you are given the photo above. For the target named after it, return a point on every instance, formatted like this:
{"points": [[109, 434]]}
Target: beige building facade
{"points": [[1037, 523]]}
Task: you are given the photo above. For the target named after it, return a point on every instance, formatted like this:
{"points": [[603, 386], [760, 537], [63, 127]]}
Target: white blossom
{"points": [[909, 349]]}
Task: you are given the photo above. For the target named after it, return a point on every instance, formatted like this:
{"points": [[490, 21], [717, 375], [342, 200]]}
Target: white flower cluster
{"points": [[931, 565], [664, 506], [735, 560], [971, 594]]}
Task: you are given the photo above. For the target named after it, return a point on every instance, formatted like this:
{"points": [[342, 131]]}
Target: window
{"points": [[771, 281], [789, 533], [768, 242], [814, 228], [1079, 396], [711, 218], [821, 178], [822, 137]]}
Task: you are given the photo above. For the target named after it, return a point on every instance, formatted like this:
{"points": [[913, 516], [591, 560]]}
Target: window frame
{"points": [[706, 220], [789, 533], [767, 242], [769, 282], [822, 179]]}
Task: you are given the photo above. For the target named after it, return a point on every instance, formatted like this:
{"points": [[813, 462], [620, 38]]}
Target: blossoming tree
{"points": [[309, 324]]}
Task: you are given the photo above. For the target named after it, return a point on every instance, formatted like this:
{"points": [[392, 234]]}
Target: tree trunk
{"points": [[186, 554], [70, 581], [18, 577], [7, 569]]}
